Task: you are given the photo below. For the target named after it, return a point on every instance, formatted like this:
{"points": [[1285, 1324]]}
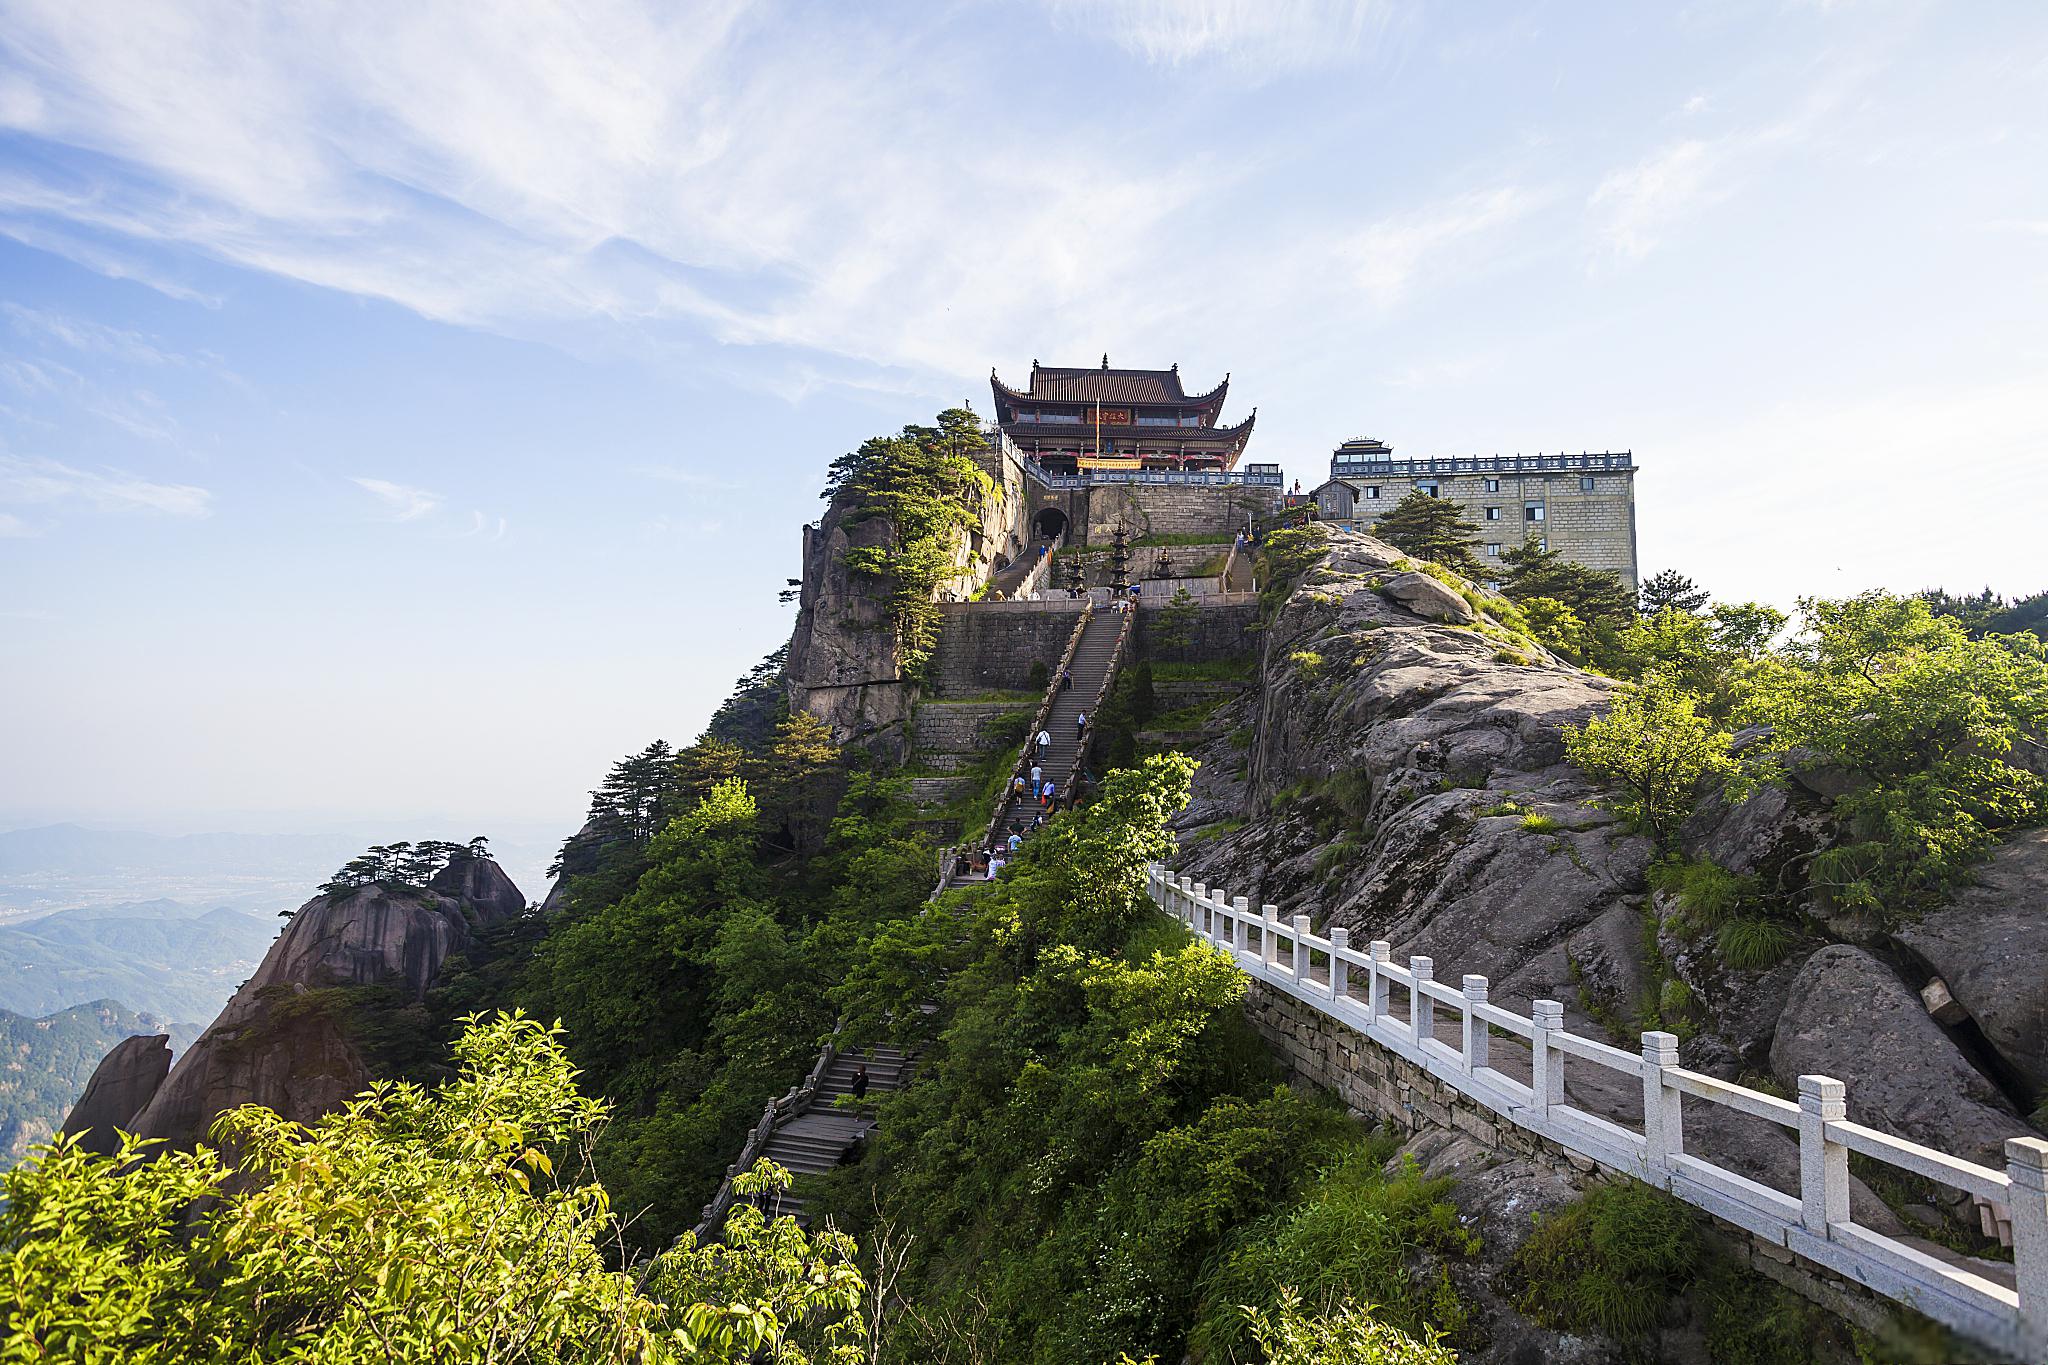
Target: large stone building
{"points": [[1582, 506]]}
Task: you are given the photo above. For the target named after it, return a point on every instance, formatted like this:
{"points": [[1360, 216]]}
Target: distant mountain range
{"points": [[50, 1059], [158, 957]]}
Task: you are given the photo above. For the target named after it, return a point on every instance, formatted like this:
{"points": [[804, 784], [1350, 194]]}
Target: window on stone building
{"points": [[1533, 512], [1493, 485], [1494, 549], [1585, 483], [1430, 489], [1492, 513], [1372, 490]]}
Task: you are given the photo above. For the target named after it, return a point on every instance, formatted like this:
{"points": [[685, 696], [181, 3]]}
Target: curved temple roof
{"points": [[1063, 384]]}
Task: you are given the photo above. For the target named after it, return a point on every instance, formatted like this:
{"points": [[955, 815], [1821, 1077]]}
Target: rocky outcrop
{"points": [[121, 1085], [844, 666], [1429, 599], [274, 1043], [1407, 781], [1847, 1016], [1990, 946]]}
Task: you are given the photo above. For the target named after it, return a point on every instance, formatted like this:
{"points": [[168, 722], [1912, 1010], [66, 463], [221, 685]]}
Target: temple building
{"points": [[1073, 421]]}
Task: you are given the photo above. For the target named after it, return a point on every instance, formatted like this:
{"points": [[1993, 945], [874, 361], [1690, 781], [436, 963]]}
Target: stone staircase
{"points": [[826, 1134], [1095, 658]]}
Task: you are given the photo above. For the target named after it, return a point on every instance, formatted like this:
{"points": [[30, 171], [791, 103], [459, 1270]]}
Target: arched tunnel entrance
{"points": [[1049, 524]]}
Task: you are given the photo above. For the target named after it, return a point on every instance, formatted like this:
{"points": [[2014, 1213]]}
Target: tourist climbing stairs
{"points": [[831, 1131], [814, 1128], [1009, 582], [1092, 660]]}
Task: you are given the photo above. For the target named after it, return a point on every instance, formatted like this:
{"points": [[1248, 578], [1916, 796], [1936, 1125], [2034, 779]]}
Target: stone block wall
{"points": [[1321, 1052], [966, 727], [990, 646], [1221, 631], [1170, 509], [1595, 527]]}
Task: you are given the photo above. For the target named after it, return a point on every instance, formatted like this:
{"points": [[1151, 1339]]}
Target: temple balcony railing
{"points": [[1482, 464], [1223, 478]]}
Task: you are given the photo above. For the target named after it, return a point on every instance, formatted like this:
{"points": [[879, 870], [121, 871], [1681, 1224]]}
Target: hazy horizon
{"points": [[405, 415]]}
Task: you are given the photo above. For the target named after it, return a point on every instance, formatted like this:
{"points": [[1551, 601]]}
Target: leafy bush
{"points": [[1930, 718], [409, 1225], [1656, 747], [1537, 823], [1307, 663], [1347, 1334], [1283, 557]]}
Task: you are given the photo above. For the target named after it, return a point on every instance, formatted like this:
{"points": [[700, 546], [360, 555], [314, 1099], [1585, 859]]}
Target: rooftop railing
{"points": [[1813, 1222], [1483, 464]]}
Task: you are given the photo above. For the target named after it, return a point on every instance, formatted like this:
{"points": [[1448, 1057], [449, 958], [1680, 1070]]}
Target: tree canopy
{"points": [[452, 1226], [1432, 528]]}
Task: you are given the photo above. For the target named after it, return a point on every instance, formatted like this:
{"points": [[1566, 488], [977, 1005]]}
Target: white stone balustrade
{"points": [[1815, 1224]]}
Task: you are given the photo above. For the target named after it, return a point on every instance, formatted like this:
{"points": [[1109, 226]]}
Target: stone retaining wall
{"points": [[984, 648], [966, 727], [1220, 631]]}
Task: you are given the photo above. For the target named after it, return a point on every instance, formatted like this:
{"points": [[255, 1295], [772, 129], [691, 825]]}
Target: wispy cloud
{"points": [[402, 502], [1258, 36], [82, 335], [36, 480], [1635, 206], [1388, 256], [14, 528], [483, 527]]}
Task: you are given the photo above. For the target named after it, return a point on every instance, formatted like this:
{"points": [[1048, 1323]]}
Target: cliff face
{"points": [[267, 1047], [1405, 778], [844, 666], [121, 1084]]}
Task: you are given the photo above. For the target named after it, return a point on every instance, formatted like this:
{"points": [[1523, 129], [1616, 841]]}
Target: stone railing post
{"points": [[1663, 1120], [1200, 892], [2026, 1164], [1823, 1165], [1301, 947], [1421, 1005], [1376, 984], [1476, 1036], [1197, 914], [1340, 943], [1269, 936], [1239, 909], [1546, 1063]]}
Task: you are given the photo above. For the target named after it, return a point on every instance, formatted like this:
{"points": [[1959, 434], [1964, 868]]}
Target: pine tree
{"points": [[1595, 596], [1669, 588], [1434, 529]]}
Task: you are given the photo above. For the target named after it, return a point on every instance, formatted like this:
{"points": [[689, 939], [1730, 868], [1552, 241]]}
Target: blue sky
{"points": [[407, 409]]}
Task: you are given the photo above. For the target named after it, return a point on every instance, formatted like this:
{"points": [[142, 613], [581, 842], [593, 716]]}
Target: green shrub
{"points": [[1611, 1263], [1751, 944], [1308, 663], [1537, 823], [1654, 746], [1347, 1333], [1354, 1236], [1707, 893], [1038, 678]]}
